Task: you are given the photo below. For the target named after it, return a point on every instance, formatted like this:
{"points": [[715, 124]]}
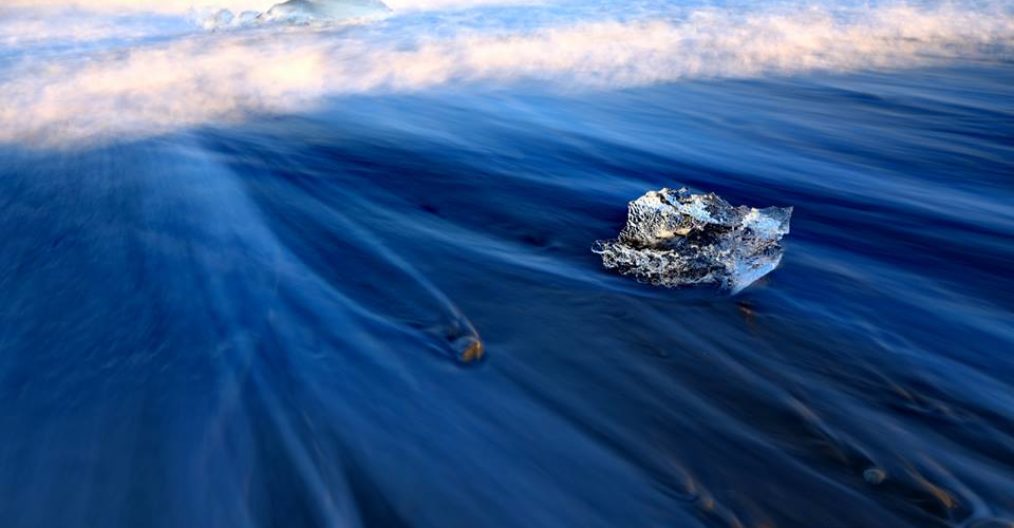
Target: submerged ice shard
{"points": [[674, 238]]}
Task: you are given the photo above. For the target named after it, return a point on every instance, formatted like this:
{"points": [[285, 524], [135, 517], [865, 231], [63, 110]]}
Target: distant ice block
{"points": [[247, 17], [674, 238], [296, 12], [218, 19], [306, 11]]}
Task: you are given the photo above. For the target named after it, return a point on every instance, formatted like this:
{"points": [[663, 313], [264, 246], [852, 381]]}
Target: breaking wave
{"points": [[150, 88], [153, 87]]}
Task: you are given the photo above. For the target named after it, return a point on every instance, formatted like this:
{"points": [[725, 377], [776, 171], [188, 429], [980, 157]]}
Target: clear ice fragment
{"points": [[674, 238]]}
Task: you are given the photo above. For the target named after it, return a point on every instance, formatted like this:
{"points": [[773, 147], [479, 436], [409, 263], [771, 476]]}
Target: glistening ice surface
{"points": [[338, 273], [675, 238]]}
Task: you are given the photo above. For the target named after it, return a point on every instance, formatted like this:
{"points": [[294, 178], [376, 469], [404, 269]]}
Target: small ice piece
{"points": [[247, 17], [219, 19], [674, 238], [296, 12], [211, 19], [307, 11]]}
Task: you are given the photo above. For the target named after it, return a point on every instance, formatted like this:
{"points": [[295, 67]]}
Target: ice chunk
{"points": [[218, 19], [306, 11], [674, 238], [247, 18], [296, 12]]}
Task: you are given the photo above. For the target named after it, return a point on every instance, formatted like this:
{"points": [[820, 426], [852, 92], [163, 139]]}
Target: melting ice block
{"points": [[674, 238]]}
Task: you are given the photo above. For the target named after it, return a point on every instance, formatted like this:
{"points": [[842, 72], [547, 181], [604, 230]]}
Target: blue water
{"points": [[252, 322]]}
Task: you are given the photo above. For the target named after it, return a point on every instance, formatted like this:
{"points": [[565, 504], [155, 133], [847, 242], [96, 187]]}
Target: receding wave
{"points": [[339, 274], [201, 77]]}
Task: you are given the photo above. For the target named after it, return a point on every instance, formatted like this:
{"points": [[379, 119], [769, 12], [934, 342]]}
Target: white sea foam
{"points": [[236, 6], [20, 29], [212, 77], [156, 6]]}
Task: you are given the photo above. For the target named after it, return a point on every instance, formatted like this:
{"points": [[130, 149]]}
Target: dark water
{"points": [[249, 324]]}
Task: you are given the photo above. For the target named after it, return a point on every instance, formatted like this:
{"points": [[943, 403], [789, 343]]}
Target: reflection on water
{"points": [[276, 322]]}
